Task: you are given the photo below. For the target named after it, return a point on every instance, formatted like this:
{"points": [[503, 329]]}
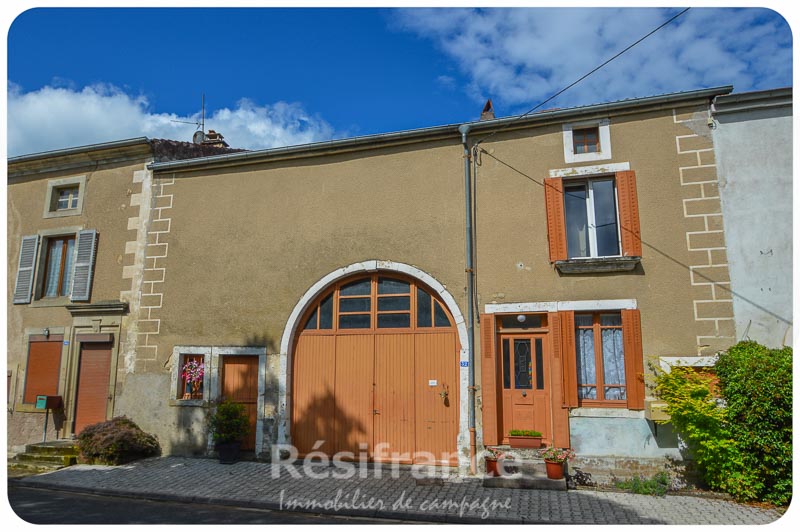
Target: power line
{"points": [[582, 77]]}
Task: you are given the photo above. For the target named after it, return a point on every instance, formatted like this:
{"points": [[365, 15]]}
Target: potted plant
{"points": [[494, 462], [229, 425], [525, 439], [554, 460]]}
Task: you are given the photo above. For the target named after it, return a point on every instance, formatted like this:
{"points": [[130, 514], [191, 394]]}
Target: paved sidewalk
{"points": [[251, 484]]}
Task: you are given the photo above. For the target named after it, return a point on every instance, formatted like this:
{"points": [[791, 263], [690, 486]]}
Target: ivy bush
{"points": [[116, 441], [741, 441]]}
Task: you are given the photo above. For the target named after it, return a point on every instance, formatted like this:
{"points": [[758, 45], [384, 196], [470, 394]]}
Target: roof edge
{"points": [[417, 135], [117, 144], [747, 101]]}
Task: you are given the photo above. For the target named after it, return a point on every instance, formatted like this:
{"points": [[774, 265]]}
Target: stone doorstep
{"points": [[521, 481], [59, 447], [63, 460]]}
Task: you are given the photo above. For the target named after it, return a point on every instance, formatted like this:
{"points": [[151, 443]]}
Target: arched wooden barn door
{"points": [[375, 371]]}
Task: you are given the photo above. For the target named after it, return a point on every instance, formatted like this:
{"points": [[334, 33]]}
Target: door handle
{"points": [[376, 411], [524, 394]]}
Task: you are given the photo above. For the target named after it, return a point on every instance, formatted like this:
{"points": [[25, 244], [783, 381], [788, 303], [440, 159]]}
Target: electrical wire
{"points": [[582, 77]]}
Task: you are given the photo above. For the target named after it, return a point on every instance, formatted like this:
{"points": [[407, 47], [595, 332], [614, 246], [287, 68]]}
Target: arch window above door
{"points": [[375, 303]]}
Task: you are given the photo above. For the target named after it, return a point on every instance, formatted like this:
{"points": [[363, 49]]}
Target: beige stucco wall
{"points": [[246, 242], [107, 207]]}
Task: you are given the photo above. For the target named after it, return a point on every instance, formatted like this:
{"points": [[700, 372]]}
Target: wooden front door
{"points": [[94, 374], [525, 384], [240, 385]]}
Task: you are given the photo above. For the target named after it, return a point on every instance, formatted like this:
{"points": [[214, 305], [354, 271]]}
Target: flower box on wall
{"points": [[525, 439]]}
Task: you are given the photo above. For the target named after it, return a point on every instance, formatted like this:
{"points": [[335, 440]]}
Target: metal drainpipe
{"points": [[464, 130]]}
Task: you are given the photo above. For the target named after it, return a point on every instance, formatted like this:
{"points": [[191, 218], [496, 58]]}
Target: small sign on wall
{"points": [[41, 401], [465, 363], [433, 382]]}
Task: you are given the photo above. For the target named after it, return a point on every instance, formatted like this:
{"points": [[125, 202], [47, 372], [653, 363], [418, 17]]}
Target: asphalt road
{"points": [[40, 506]]}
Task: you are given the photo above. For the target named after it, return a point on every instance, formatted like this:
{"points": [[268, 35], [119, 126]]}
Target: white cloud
{"points": [[519, 57], [60, 117]]}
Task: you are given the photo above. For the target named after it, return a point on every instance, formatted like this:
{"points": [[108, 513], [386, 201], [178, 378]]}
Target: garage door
{"points": [[375, 372]]}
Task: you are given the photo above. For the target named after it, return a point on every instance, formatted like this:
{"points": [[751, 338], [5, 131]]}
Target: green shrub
{"points": [[116, 441], [531, 433], [655, 485], [742, 443], [229, 423], [756, 383]]}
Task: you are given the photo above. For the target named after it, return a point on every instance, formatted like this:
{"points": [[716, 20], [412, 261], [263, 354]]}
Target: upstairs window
{"points": [[64, 197], [58, 266], [590, 209], [586, 140]]}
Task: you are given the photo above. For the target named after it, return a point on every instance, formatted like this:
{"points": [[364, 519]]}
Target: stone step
{"points": [[527, 482], [32, 467], [60, 447], [62, 460]]}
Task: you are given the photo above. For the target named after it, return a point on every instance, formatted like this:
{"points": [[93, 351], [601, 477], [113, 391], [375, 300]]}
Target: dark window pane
{"points": [[423, 308], [583, 320], [506, 365], [392, 321], [354, 321], [511, 322], [577, 227], [440, 317], [394, 303], [357, 304], [539, 365], [362, 287], [611, 320], [312, 321], [326, 313], [393, 286], [522, 365], [605, 216]]}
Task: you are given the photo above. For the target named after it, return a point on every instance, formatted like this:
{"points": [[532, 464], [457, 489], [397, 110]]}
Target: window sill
{"points": [[597, 265], [62, 213], [188, 402], [51, 302]]}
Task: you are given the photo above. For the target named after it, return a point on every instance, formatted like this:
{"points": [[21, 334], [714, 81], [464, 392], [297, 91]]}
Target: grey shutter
{"points": [[27, 262], [84, 264]]}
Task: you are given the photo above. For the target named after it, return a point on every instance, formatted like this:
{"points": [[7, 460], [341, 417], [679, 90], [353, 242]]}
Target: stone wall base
{"points": [[605, 469]]}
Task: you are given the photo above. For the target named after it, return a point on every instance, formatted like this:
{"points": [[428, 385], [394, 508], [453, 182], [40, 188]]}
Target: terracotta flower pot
{"points": [[525, 442], [555, 470], [491, 468]]}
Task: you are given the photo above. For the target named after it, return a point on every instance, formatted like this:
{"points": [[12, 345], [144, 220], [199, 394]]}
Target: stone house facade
{"points": [[325, 287]]}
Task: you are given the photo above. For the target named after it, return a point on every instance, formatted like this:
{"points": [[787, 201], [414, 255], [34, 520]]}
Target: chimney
{"points": [[488, 111], [212, 138]]}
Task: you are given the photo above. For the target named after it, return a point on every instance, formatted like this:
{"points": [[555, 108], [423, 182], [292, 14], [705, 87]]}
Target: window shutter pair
{"points": [[85, 251], [634, 364], [628, 208]]}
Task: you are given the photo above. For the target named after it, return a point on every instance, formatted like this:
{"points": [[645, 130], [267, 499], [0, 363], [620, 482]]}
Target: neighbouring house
{"points": [[324, 286], [79, 222], [753, 143]]}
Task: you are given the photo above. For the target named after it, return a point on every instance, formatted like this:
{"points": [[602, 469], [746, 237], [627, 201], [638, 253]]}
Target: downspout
{"points": [[470, 269]]}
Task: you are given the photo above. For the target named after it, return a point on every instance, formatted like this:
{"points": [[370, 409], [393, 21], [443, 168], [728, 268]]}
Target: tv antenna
{"points": [[199, 135]]}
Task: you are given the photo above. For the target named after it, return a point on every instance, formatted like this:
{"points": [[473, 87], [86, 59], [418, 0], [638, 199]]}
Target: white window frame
{"points": [[590, 215], [604, 137], [51, 199]]}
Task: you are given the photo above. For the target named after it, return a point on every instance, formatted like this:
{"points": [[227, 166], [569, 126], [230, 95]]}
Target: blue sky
{"points": [[276, 77]]}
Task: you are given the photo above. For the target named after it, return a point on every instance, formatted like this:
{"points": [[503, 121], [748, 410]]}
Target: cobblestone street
{"points": [[268, 486]]}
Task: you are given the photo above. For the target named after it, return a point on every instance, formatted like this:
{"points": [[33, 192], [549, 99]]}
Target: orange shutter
{"points": [[556, 227], [43, 370], [489, 380], [560, 412], [634, 360], [629, 214], [570, 376]]}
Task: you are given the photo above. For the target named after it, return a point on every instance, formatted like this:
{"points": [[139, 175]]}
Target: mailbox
{"points": [[54, 402]]}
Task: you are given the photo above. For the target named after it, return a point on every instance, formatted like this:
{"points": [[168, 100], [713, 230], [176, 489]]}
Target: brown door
{"points": [[240, 385], [525, 384], [394, 397], [94, 374]]}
